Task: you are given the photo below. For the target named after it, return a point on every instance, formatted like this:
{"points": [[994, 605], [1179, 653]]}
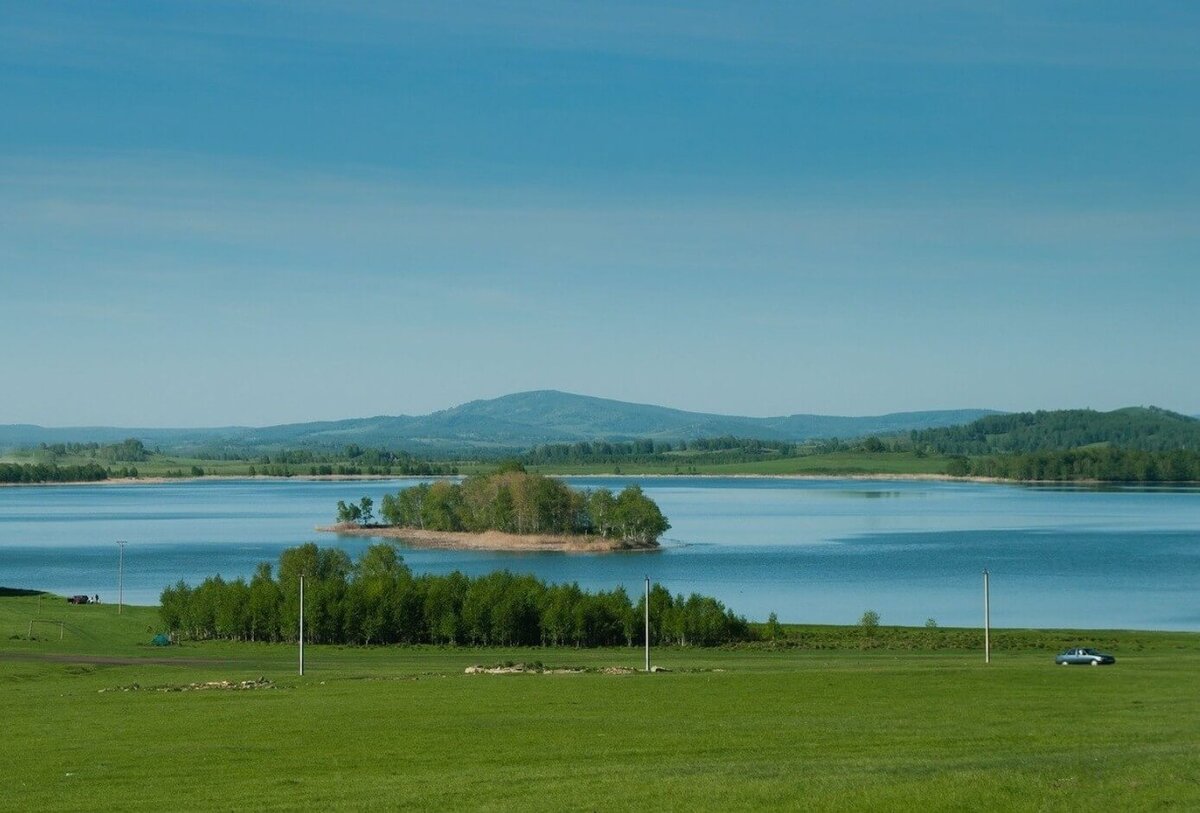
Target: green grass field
{"points": [[726, 728]]}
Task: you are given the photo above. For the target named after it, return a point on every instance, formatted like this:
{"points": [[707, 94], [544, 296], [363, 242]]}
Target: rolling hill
{"points": [[510, 422]]}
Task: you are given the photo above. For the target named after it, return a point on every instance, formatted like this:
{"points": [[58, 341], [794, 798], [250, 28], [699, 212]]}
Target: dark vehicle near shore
{"points": [[79, 600], [1084, 656]]}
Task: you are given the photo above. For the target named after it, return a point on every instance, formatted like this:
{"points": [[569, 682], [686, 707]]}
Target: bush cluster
{"points": [[52, 473]]}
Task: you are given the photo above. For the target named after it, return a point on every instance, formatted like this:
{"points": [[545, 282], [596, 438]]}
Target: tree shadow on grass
{"points": [[11, 592]]}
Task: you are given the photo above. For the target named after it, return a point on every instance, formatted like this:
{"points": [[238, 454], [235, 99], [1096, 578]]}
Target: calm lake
{"points": [[820, 551]]}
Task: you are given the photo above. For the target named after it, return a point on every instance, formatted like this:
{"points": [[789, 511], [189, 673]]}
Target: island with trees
{"points": [[509, 509]]}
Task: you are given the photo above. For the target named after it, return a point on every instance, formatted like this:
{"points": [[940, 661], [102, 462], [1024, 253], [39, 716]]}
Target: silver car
{"points": [[1084, 655]]}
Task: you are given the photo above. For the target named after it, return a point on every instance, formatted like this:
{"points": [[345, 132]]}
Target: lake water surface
{"points": [[820, 551]]}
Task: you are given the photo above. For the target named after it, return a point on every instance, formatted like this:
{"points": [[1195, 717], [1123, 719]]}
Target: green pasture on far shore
{"points": [[832, 464], [98, 721]]}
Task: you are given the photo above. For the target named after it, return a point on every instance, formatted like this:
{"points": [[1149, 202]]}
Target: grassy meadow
{"points": [[907, 722], [840, 463]]}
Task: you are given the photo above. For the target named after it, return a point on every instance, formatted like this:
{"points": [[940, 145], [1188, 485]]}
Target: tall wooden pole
{"points": [[301, 624], [987, 620], [121, 576], [647, 623]]}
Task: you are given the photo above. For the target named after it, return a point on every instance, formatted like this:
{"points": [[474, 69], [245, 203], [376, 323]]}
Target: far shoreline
{"points": [[852, 476]]}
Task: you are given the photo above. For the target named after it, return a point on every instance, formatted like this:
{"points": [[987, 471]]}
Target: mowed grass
{"points": [[726, 729]]}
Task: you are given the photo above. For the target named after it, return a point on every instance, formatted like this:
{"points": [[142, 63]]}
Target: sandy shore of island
{"points": [[488, 540]]}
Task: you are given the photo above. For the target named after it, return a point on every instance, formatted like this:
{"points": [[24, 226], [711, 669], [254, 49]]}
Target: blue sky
{"points": [[216, 213]]}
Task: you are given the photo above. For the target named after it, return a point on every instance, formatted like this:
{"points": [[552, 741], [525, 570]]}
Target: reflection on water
{"points": [[810, 550]]}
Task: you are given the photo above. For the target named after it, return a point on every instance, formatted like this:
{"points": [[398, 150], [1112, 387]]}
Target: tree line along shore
{"points": [[378, 600]]}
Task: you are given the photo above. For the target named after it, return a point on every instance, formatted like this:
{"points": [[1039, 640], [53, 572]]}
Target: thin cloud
{"points": [[54, 211], [199, 36]]}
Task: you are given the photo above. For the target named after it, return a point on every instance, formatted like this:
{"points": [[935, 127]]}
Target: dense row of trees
{"points": [[708, 450], [378, 600], [53, 473], [350, 459], [517, 502], [414, 468], [410, 468], [1147, 429], [645, 450], [1105, 464], [130, 450]]}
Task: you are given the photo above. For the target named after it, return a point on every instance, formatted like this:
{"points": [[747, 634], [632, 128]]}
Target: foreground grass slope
{"points": [[739, 728]]}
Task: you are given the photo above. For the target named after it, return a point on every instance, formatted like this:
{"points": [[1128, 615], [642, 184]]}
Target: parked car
{"points": [[79, 600], [1084, 655]]}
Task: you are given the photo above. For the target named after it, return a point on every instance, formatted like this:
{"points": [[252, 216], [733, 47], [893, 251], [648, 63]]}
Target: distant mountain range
{"points": [[511, 422]]}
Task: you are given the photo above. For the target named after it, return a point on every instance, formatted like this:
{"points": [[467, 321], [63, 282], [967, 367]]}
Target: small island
{"points": [[509, 509]]}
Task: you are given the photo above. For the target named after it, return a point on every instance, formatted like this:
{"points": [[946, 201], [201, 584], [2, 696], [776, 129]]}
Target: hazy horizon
{"points": [[254, 214], [951, 408]]}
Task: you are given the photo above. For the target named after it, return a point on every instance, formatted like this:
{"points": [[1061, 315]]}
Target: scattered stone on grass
{"points": [[509, 668], [227, 685], [537, 669]]}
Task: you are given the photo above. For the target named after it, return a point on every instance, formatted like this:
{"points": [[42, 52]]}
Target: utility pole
{"points": [[647, 623], [121, 543], [301, 624], [987, 620]]}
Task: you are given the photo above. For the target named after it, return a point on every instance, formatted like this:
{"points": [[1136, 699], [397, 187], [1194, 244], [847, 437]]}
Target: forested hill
{"points": [[1141, 428], [504, 425]]}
